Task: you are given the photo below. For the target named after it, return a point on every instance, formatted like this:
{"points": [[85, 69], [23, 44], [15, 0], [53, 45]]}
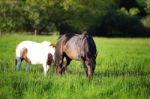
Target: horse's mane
{"points": [[66, 35]]}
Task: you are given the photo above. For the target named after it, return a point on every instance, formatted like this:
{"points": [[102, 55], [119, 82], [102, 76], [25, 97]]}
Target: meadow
{"points": [[122, 72]]}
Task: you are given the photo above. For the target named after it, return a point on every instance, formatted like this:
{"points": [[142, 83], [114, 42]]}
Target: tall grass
{"points": [[122, 71]]}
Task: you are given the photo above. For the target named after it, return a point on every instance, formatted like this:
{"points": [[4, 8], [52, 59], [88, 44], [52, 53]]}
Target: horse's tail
{"points": [[89, 46], [89, 52]]}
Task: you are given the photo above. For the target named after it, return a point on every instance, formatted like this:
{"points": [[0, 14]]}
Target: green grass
{"points": [[122, 71]]}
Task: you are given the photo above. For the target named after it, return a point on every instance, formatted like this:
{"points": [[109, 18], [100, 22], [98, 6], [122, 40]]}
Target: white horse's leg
{"points": [[18, 63], [27, 66], [45, 69]]}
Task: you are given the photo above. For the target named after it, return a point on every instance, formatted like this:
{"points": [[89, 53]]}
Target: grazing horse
{"points": [[35, 53], [80, 47]]}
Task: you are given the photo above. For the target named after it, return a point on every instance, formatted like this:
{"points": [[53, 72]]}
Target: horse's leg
{"points": [[59, 56], [85, 67], [59, 67], [45, 68], [27, 66], [28, 62], [64, 67], [91, 68], [18, 63], [90, 74], [48, 67]]}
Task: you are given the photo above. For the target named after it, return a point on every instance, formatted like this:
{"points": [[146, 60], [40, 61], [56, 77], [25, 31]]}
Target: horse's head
{"points": [[49, 59]]}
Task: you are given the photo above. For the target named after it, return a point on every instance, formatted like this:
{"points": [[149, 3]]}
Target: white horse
{"points": [[35, 53]]}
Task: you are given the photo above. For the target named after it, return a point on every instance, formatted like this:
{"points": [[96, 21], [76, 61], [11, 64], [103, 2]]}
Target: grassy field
{"points": [[122, 72]]}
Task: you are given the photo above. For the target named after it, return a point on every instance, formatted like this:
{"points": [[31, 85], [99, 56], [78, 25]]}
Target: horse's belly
{"points": [[73, 55], [37, 58], [36, 61]]}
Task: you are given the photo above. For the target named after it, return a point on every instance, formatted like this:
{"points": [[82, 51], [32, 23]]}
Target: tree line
{"points": [[125, 18]]}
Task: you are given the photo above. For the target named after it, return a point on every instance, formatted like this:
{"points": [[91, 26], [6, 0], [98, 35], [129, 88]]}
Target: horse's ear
{"points": [[53, 45]]}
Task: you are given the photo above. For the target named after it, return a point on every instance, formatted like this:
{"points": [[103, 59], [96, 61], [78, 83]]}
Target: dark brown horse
{"points": [[79, 47]]}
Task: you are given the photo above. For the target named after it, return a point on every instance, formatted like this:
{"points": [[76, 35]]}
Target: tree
{"points": [[10, 13], [147, 6]]}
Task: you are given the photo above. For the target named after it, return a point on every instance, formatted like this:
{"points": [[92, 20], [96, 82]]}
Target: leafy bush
{"points": [[118, 23]]}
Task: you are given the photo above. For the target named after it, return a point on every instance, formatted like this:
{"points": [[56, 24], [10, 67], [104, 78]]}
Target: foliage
{"points": [[121, 23], [147, 2], [122, 71], [10, 13], [146, 21], [68, 16]]}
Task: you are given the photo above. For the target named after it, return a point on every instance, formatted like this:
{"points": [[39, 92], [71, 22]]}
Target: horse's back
{"points": [[32, 45]]}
